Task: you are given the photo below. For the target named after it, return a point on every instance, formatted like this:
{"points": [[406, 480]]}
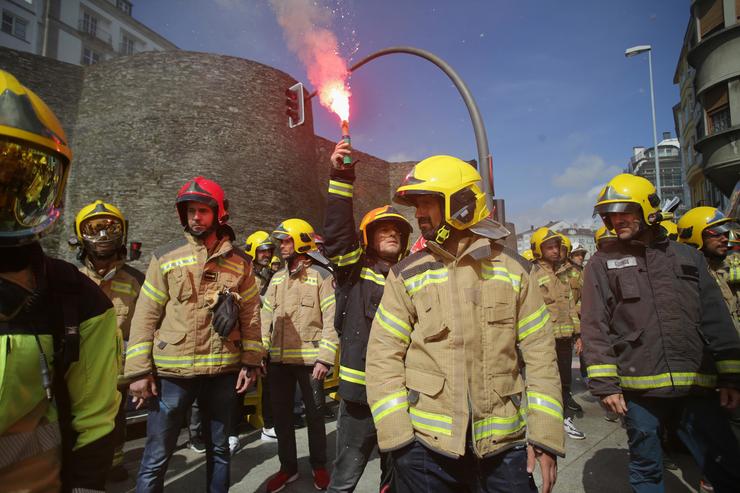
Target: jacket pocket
{"points": [[507, 386], [162, 339], [181, 286], [628, 285], [627, 342], [309, 323], [431, 319], [424, 382]]}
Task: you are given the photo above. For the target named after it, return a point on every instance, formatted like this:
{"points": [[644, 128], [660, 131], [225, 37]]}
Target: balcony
{"points": [[90, 28]]}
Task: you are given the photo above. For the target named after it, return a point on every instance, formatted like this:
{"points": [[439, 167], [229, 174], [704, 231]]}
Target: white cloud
{"points": [[573, 207], [585, 171]]}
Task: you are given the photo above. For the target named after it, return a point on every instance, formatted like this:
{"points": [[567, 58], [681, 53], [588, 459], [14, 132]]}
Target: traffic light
{"points": [[295, 105]]}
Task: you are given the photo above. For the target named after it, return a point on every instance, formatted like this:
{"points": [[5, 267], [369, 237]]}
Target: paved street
{"points": [[597, 464]]}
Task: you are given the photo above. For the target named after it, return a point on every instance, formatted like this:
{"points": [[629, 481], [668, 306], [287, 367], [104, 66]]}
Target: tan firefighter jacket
{"points": [[298, 316], [121, 285], [720, 274], [171, 332], [446, 348], [559, 289]]}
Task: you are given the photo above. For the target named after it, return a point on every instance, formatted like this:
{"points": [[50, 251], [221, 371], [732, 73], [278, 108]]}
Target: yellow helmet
{"points": [[694, 222], [528, 255], [625, 193], [34, 164], [259, 240], [101, 229], [385, 213], [540, 236], [671, 229], [566, 243], [603, 234], [457, 184], [301, 232]]}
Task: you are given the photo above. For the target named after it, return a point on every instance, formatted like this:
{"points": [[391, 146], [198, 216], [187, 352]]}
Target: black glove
{"points": [[225, 314]]}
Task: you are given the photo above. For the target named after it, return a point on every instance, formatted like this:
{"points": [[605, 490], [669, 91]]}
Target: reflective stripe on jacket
{"points": [[561, 291], [172, 332], [447, 344]]}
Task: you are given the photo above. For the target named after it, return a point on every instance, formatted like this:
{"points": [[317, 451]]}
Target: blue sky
{"points": [[562, 105]]}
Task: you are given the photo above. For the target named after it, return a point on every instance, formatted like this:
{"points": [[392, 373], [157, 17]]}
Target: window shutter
{"points": [[715, 99], [711, 16]]}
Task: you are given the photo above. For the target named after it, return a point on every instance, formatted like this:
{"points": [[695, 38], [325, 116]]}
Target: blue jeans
{"points": [[418, 469], [215, 395], [702, 426]]}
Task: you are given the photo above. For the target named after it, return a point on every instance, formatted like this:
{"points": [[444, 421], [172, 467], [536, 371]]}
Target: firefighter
{"points": [[554, 278], [298, 330], [456, 322], [361, 265], [603, 236], [732, 262], [260, 248], [101, 232], [276, 264], [659, 340], [195, 335], [59, 345], [578, 255]]}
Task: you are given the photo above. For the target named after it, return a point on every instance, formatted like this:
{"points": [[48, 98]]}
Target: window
{"points": [[711, 17], [127, 45], [124, 6], [90, 57], [14, 25], [89, 24], [717, 106]]}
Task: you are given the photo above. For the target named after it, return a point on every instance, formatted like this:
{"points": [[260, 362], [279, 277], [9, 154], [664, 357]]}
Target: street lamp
{"points": [[630, 52]]}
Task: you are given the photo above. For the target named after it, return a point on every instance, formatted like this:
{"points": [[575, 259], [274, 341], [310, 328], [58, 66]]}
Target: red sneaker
{"points": [[320, 479], [280, 480]]}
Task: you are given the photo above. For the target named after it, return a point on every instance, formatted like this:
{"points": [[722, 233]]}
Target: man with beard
{"points": [[659, 343], [260, 249], [101, 231], [457, 322], [361, 265], [58, 337], [195, 335]]}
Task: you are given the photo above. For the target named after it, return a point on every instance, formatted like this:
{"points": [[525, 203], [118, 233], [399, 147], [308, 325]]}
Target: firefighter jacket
{"points": [[654, 322], [561, 292], [121, 285], [172, 334], [719, 273], [732, 262], [447, 346], [360, 280], [262, 276], [85, 403], [298, 316], [575, 280]]}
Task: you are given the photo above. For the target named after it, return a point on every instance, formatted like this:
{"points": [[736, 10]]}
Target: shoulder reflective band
{"points": [[489, 272], [437, 423], [544, 403], [341, 188], [277, 279], [154, 294], [328, 345], [532, 323], [596, 371], [679, 379], [347, 259], [250, 292], [433, 276], [728, 366], [165, 267], [251, 345], [122, 288], [139, 349], [393, 324], [351, 375], [388, 405], [311, 281], [327, 302], [498, 426], [234, 267], [372, 276], [197, 360]]}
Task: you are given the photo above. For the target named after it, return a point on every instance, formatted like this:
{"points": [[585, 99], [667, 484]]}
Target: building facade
{"points": [[642, 163], [81, 32]]}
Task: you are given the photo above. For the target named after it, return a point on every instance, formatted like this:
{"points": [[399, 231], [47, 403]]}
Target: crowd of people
{"points": [[454, 360]]}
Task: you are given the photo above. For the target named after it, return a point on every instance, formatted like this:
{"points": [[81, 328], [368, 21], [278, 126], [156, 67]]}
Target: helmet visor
{"points": [[720, 229], [618, 207], [101, 227], [30, 183]]}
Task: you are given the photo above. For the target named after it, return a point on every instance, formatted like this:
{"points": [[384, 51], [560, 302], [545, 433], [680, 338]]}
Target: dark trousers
{"points": [[267, 418], [166, 415], [282, 380], [564, 352], [119, 430], [194, 421], [703, 427], [420, 470], [356, 441]]}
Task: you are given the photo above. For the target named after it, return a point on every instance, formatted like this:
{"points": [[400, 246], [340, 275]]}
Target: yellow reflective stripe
{"points": [[196, 360], [500, 273], [250, 292], [393, 324], [347, 258], [433, 276], [351, 375], [439, 423], [341, 188], [153, 293], [388, 405], [274, 350], [543, 280], [545, 403], [728, 366], [595, 371], [122, 287], [327, 302], [277, 279], [311, 281], [314, 351], [251, 345], [232, 266], [178, 262], [139, 349], [498, 426], [532, 322], [323, 343], [372, 276], [668, 380], [266, 305]]}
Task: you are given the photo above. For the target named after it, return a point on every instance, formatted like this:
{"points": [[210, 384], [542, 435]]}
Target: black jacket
{"points": [[360, 281], [653, 321]]}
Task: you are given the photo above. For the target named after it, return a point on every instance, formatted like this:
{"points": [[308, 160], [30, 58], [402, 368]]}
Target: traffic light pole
{"points": [[485, 166]]}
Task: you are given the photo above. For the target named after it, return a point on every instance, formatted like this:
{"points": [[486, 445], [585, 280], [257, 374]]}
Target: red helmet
{"points": [[205, 191]]}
